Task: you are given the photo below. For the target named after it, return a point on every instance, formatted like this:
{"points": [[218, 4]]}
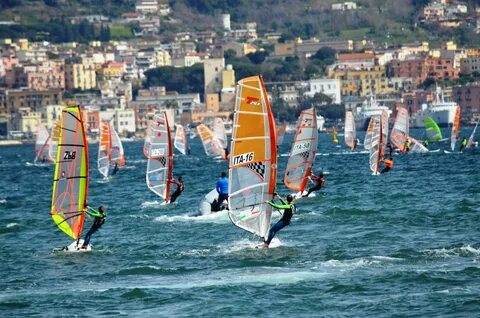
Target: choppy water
{"points": [[401, 244]]}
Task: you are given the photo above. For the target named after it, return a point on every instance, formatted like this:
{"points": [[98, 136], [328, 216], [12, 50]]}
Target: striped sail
{"points": [[148, 139], [253, 158], [160, 157], [42, 147], [400, 129], [180, 141], [384, 120], [206, 136], [368, 135], [281, 133], [432, 130], [472, 135], [350, 132], [378, 142], [117, 154], [303, 151], [219, 140], [54, 140], [70, 181], [416, 146], [104, 149], [455, 128]]}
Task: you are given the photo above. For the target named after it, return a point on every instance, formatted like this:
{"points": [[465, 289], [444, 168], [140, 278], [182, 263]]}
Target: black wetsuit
{"points": [[97, 223], [180, 188]]}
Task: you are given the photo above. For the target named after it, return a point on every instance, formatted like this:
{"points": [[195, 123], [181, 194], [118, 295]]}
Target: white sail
{"points": [[54, 141], [219, 140], [368, 135], [104, 149], [42, 146], [375, 144], [117, 155], [350, 132], [472, 135], [416, 146], [160, 157], [180, 142], [400, 129], [253, 158]]}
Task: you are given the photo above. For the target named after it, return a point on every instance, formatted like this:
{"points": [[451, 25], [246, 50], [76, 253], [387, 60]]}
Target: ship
{"points": [[369, 108], [440, 110]]}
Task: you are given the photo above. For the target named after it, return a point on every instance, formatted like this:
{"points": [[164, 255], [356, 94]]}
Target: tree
{"points": [[258, 57], [325, 54]]}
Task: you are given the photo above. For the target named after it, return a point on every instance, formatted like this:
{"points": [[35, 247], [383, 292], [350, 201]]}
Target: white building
{"points": [[344, 6], [146, 6], [123, 120], [326, 86], [51, 114]]}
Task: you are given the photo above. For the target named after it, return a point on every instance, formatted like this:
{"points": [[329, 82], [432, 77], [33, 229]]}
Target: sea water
{"points": [[405, 243]]}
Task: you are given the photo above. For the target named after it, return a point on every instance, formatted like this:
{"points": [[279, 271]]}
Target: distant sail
{"points": [[368, 135], [253, 158], [416, 146], [379, 141], [400, 129], [433, 131], [206, 135], [281, 133], [472, 135], [455, 128], [70, 181], [54, 140], [350, 133], [116, 155], [104, 149], [219, 141], [160, 157], [148, 139], [180, 141], [42, 147], [303, 151]]}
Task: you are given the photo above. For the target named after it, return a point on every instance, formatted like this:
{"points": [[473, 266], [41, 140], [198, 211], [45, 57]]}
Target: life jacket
{"points": [[388, 163]]}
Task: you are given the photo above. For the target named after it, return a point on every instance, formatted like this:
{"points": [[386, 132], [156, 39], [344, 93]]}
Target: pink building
{"points": [[49, 74]]}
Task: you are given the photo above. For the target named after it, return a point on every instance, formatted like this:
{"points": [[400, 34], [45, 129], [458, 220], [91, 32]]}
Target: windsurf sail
{"points": [[219, 140], [281, 133], [431, 128], [42, 148], [206, 136], [416, 146], [455, 128], [54, 140], [104, 149], [253, 158], [350, 132], [472, 135], [303, 151], [160, 157], [400, 129], [148, 139], [368, 135], [378, 143], [70, 181], [180, 142], [116, 154]]}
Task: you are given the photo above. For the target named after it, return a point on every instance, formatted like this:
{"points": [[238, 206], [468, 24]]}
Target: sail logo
{"points": [[160, 122], [301, 147], [157, 152], [243, 158], [69, 155], [254, 101], [307, 122]]}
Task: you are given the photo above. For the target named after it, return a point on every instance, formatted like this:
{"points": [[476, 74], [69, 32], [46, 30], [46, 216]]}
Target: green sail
{"points": [[432, 129]]}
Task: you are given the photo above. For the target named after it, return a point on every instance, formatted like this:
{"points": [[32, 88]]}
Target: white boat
{"points": [[441, 111], [370, 108]]}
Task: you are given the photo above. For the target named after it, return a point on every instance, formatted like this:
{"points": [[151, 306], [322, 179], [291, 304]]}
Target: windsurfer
{"points": [[425, 143], [180, 188], [115, 169], [355, 143], [390, 148], [388, 164], [317, 180], [99, 219], [288, 211], [44, 159], [464, 143], [406, 147], [227, 153], [222, 189]]}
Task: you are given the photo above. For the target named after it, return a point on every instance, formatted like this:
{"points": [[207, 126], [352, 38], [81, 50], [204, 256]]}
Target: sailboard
{"points": [[302, 155], [54, 140], [455, 128], [253, 158], [368, 135], [350, 132], [70, 181], [219, 140], [400, 129], [42, 142], [281, 133], [432, 130], [206, 135], [472, 135], [104, 150], [160, 157], [180, 141]]}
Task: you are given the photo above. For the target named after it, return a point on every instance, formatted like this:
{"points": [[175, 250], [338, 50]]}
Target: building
{"points": [[48, 75], [12, 100], [344, 6], [470, 65], [327, 86], [355, 61], [363, 82], [80, 74], [146, 6], [111, 71], [51, 114], [26, 121], [213, 69], [468, 97], [422, 68], [240, 49]]}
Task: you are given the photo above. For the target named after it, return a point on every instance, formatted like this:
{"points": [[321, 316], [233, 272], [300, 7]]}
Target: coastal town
{"points": [[112, 80]]}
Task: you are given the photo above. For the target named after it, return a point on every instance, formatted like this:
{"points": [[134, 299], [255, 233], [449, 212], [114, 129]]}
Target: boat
{"points": [[455, 128], [350, 133], [253, 158], [441, 111], [379, 141], [159, 153], [219, 140], [206, 135], [281, 133], [42, 147], [70, 181], [400, 130], [302, 155], [180, 141], [432, 130], [110, 149], [369, 108]]}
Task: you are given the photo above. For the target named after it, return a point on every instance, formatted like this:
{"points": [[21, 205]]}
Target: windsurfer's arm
{"points": [[92, 212]]}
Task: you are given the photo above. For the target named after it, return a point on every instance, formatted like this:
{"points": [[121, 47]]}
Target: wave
{"points": [[462, 251], [3, 201], [218, 217], [10, 225]]}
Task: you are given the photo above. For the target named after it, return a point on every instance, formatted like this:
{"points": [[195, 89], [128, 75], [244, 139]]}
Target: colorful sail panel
{"points": [[70, 181], [281, 133], [432, 130], [42, 147], [472, 135], [54, 140], [303, 151], [160, 157], [117, 155], [219, 140], [180, 141], [350, 132], [253, 158], [416, 146], [368, 135], [400, 129], [455, 128], [206, 136], [104, 149], [376, 144]]}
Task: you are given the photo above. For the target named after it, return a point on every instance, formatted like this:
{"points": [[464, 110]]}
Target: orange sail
{"points": [[350, 131], [206, 135], [104, 149], [455, 128]]}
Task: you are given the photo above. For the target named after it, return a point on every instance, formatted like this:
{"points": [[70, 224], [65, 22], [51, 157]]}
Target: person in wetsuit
{"points": [[464, 144], [99, 219], [318, 183], [178, 191], [115, 169], [288, 211], [388, 164]]}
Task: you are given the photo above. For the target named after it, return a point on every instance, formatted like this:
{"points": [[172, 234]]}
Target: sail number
{"points": [[157, 152], [301, 147], [243, 158], [69, 155]]}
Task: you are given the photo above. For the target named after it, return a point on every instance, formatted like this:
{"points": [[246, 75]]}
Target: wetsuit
{"points": [[388, 165], [180, 188], [425, 143], [319, 182], [115, 170], [464, 144], [97, 223], [288, 210], [222, 189]]}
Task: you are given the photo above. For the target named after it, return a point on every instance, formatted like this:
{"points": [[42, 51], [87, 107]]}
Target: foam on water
{"points": [[462, 251]]}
